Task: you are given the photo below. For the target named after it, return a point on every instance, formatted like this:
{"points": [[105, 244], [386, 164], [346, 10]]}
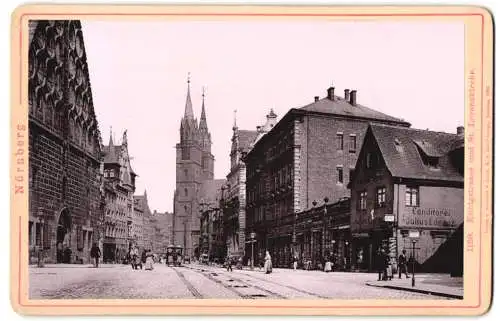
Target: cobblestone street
{"points": [[197, 281]]}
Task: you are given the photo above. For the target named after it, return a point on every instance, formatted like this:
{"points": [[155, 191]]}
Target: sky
{"points": [[138, 72]]}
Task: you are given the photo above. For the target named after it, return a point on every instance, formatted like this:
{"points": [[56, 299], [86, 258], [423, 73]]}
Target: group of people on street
{"points": [[146, 259], [386, 269]]}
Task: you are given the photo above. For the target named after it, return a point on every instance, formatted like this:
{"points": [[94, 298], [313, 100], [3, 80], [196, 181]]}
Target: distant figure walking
{"points": [[149, 261], [268, 264], [403, 264], [95, 253], [229, 264], [379, 263], [295, 262]]}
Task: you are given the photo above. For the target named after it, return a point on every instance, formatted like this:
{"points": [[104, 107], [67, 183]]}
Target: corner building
{"points": [[307, 156], [194, 165], [66, 203], [409, 182], [119, 188]]}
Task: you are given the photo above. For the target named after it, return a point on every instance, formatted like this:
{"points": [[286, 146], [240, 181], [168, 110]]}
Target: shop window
{"points": [[362, 200], [340, 141], [412, 196], [381, 195]]}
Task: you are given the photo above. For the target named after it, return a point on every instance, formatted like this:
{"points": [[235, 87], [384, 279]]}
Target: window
{"points": [[412, 198], [185, 192], [340, 141], [186, 173], [381, 192], [340, 175], [362, 200], [351, 174], [368, 160], [352, 143]]}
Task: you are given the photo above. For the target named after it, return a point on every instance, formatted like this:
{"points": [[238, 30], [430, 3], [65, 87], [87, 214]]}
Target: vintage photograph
{"points": [[246, 159]]}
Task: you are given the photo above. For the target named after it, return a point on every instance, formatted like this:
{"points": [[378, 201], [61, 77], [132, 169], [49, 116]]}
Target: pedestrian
{"points": [[229, 266], [379, 264], [95, 253], [149, 261], [295, 262], [403, 264], [388, 266], [268, 264]]}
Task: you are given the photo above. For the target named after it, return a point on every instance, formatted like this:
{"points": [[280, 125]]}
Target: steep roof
{"points": [[210, 189], [246, 139], [342, 107], [400, 149], [111, 154]]}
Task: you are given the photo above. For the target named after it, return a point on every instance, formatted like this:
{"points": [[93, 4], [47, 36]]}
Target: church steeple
{"points": [[188, 111], [203, 118], [110, 136]]}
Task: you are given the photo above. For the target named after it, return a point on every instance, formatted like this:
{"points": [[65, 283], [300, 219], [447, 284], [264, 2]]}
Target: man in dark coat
{"points": [[403, 264], [95, 253], [380, 265]]}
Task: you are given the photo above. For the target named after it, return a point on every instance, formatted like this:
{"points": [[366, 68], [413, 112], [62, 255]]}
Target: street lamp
{"points": [[252, 238], [414, 235]]}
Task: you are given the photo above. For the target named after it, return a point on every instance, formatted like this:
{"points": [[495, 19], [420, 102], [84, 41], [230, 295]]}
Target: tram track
{"points": [[289, 287], [188, 284], [233, 288]]}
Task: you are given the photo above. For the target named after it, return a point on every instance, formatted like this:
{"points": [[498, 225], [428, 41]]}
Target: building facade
{"points": [[408, 187], [194, 166], [66, 201], [235, 213], [162, 231], [306, 157], [148, 228], [119, 187]]}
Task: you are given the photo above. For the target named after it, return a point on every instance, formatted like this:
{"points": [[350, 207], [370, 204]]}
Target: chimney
{"points": [[460, 130], [331, 93], [353, 97], [346, 94], [316, 98]]}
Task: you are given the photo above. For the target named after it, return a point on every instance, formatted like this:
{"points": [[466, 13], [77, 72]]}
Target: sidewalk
{"points": [[435, 284], [63, 266]]}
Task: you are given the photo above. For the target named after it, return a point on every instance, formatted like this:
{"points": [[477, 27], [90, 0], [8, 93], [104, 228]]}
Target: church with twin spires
{"points": [[195, 184]]}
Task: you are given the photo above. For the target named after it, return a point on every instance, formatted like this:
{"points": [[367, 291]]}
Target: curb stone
{"points": [[436, 293]]}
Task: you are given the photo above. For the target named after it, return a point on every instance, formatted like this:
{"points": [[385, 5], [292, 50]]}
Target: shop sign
{"points": [[429, 217], [360, 235], [389, 218], [414, 234]]}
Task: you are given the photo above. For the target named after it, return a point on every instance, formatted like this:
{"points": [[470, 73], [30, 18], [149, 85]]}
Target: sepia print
{"points": [[229, 159]]}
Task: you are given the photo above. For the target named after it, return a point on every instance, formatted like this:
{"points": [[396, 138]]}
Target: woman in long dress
{"points": [[149, 261], [268, 264]]}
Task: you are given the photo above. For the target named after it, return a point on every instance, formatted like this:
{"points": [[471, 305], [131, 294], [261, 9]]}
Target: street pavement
{"points": [[201, 281]]}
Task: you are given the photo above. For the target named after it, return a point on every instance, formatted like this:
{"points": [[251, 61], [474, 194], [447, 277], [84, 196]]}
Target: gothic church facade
{"points": [[194, 167]]}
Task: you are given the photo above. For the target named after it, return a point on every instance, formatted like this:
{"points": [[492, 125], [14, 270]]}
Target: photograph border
{"points": [[478, 120]]}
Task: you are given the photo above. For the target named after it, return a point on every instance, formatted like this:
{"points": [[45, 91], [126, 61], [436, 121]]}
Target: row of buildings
{"points": [[337, 180], [81, 192]]}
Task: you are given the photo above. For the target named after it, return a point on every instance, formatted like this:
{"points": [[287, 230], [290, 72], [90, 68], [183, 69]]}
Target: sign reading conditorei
{"points": [[429, 217]]}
